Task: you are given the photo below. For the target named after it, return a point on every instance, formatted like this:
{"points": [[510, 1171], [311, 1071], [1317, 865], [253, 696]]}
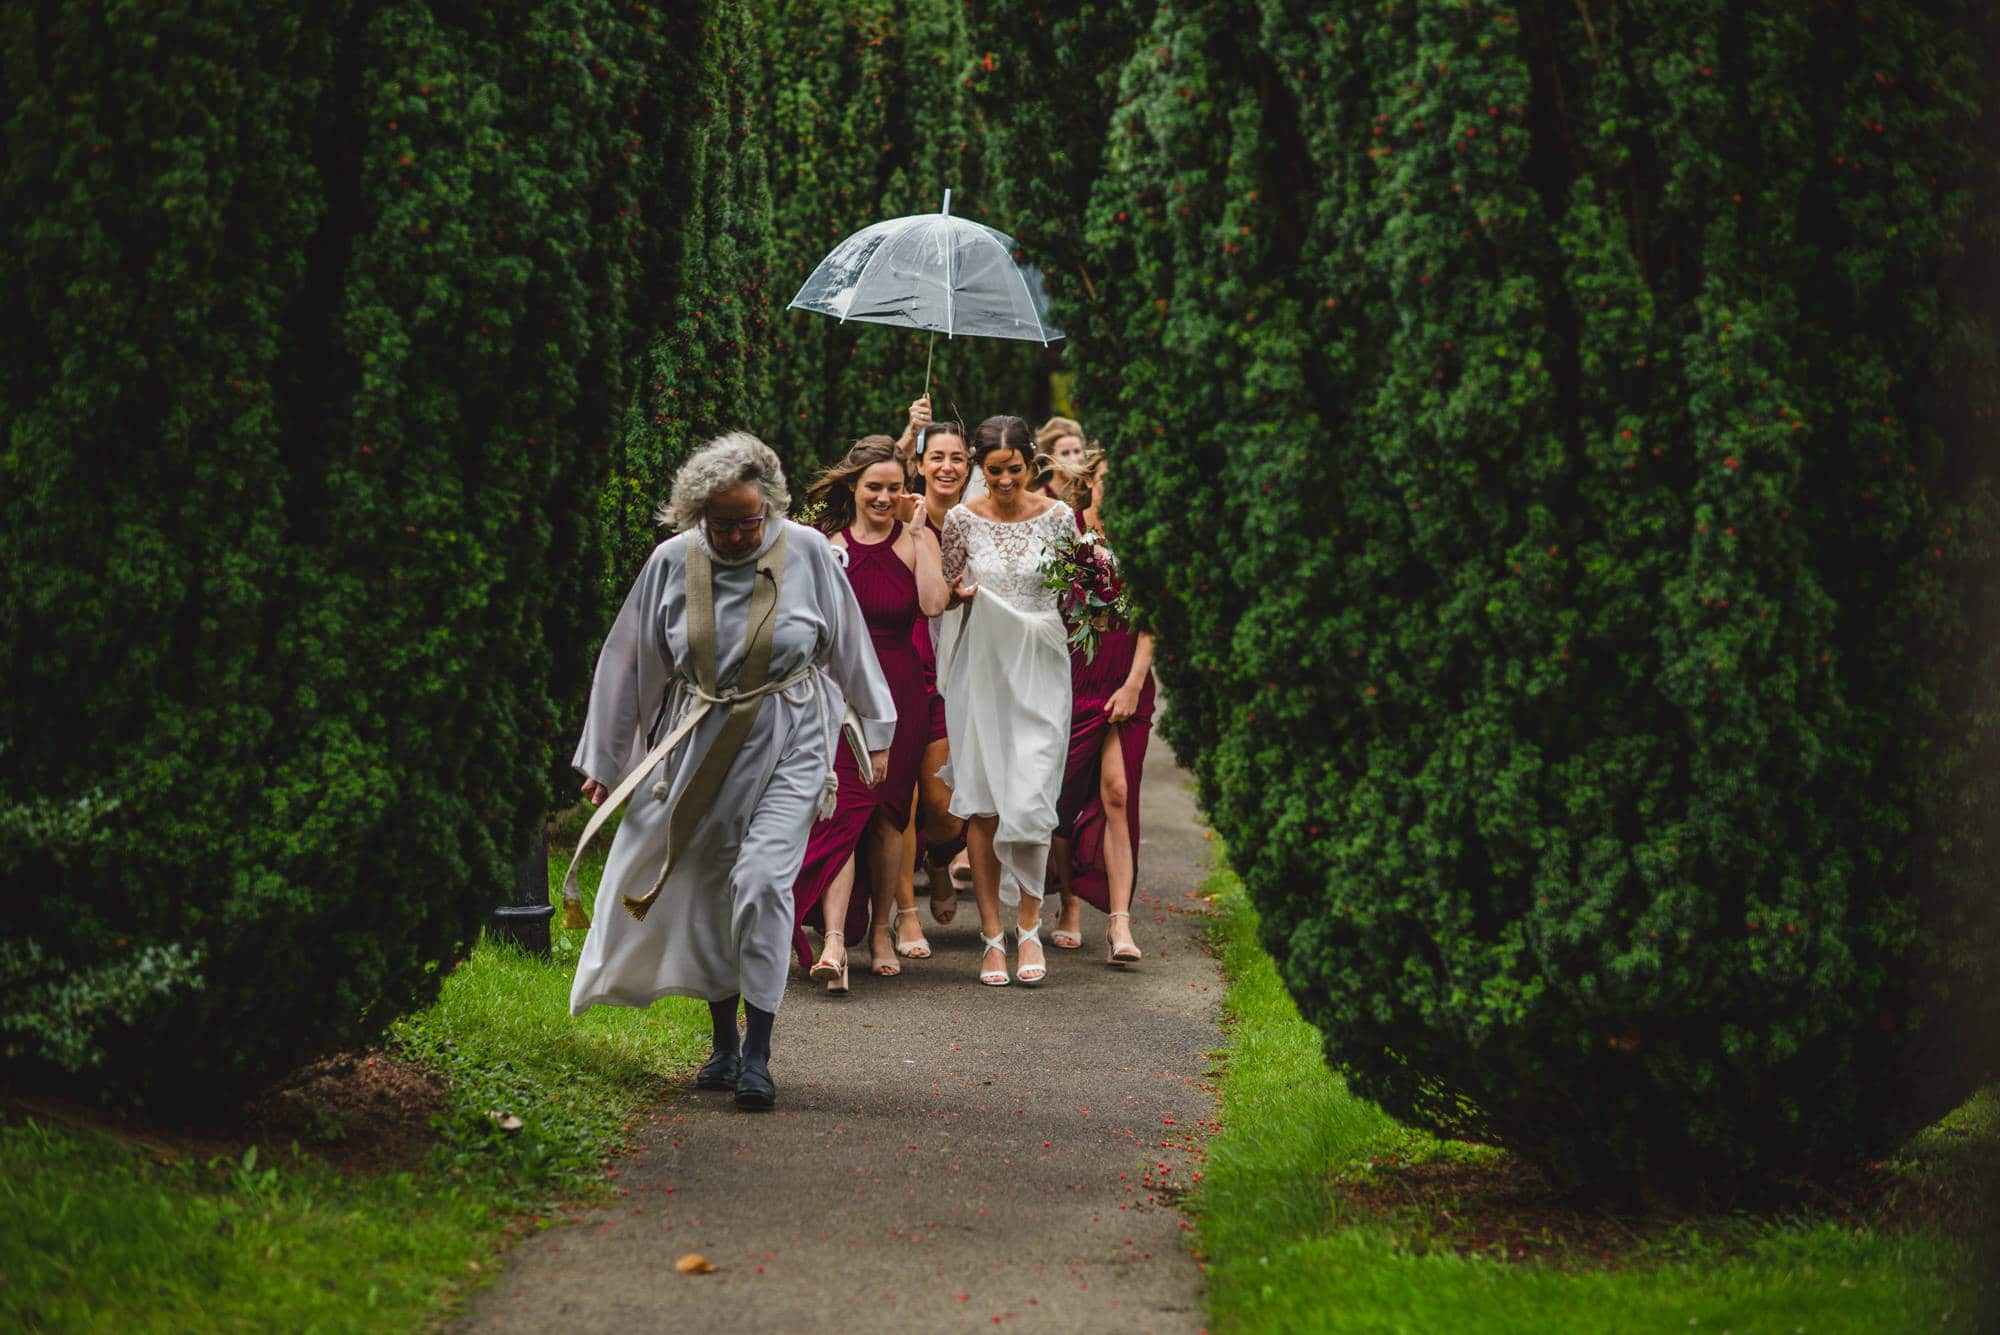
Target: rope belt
{"points": [[696, 705], [752, 685], [694, 701]]}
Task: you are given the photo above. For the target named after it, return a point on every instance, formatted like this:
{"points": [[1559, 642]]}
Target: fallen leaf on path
{"points": [[694, 1263]]}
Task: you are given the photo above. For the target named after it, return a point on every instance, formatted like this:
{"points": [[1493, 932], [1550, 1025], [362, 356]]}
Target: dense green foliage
{"points": [[1548, 447], [52, 1010], [819, 119], [319, 322], [1295, 1238], [1558, 477], [354, 348], [816, 120], [1046, 88], [267, 1234]]}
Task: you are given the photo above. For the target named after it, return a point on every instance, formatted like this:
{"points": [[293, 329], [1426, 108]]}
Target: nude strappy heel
{"points": [[1029, 973], [994, 977], [919, 949], [1064, 938], [835, 976], [1119, 954]]}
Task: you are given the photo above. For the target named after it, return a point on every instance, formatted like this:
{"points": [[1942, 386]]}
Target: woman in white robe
{"points": [[1003, 669], [718, 925]]}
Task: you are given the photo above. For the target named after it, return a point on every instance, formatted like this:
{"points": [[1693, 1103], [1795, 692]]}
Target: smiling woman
{"points": [[1003, 669], [866, 508]]}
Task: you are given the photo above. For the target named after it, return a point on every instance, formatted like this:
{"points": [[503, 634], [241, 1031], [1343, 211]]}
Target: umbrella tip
{"points": [[946, 210]]}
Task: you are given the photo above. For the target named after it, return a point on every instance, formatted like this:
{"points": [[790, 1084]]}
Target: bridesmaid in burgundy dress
{"points": [[1111, 720], [945, 464], [897, 575]]}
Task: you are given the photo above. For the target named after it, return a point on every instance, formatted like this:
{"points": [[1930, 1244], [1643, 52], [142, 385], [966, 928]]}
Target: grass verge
{"points": [[1293, 1244], [287, 1229]]}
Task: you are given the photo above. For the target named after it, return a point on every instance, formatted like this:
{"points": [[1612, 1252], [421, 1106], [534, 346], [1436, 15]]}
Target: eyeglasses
{"points": [[722, 527]]}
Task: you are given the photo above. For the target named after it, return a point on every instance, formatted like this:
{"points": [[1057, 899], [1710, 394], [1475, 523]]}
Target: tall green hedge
{"points": [[321, 322], [1560, 469], [812, 121], [868, 116], [355, 346], [1045, 90]]}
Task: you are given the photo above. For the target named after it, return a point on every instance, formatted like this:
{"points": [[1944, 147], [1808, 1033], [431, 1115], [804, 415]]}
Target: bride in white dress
{"points": [[1003, 669]]}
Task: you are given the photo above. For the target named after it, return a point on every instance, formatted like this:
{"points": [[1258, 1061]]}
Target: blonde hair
{"points": [[1055, 429], [1070, 483]]}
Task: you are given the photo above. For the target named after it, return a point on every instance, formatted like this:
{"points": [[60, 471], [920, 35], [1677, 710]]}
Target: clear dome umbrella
{"points": [[934, 272]]}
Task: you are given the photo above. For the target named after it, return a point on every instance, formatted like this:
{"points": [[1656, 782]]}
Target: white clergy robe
{"points": [[722, 924]]}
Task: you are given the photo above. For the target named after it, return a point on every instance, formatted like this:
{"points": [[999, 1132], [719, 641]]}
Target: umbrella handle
{"points": [[946, 211]]}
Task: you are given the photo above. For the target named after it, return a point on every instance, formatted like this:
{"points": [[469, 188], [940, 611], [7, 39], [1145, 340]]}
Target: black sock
{"points": [[757, 1033], [722, 1015]]}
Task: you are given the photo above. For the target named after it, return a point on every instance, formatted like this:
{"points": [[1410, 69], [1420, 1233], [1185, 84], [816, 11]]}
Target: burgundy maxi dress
{"points": [[887, 592], [1079, 809]]}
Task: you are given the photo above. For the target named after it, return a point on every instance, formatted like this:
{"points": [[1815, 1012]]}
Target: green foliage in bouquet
{"points": [[1083, 575], [321, 319], [1555, 452]]}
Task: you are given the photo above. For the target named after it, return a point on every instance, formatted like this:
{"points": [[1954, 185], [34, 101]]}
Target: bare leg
{"points": [[1068, 934], [910, 940], [833, 907], [985, 866], [1118, 859], [934, 796], [933, 809], [906, 861], [1034, 964], [944, 891], [889, 892]]}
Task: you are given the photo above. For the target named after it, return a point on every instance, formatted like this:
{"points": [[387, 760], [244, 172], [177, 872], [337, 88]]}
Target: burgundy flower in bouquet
{"points": [[1090, 593]]}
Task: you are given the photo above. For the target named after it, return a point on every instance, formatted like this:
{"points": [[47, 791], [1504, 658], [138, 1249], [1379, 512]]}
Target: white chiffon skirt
{"points": [[1004, 675]]}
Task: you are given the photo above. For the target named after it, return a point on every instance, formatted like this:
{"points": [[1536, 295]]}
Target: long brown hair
{"points": [[936, 430], [832, 492], [1002, 432]]}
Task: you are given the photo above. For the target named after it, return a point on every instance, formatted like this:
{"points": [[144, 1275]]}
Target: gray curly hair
{"points": [[728, 461]]}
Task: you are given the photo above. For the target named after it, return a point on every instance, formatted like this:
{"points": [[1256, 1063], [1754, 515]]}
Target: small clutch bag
{"points": [[857, 745]]}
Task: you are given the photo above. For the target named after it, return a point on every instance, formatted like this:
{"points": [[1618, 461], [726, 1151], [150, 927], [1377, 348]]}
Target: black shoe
{"points": [[718, 1072], [754, 1090]]}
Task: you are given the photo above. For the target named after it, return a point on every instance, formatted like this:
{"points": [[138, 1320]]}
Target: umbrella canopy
{"points": [[931, 271]]}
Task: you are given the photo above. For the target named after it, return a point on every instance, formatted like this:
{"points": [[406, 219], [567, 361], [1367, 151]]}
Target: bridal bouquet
{"points": [[1083, 574]]}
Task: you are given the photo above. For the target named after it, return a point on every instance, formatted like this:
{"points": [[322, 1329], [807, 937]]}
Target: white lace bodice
{"points": [[1006, 557]]}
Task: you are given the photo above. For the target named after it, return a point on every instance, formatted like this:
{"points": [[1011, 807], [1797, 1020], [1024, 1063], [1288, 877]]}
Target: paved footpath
{"points": [[944, 1156]]}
